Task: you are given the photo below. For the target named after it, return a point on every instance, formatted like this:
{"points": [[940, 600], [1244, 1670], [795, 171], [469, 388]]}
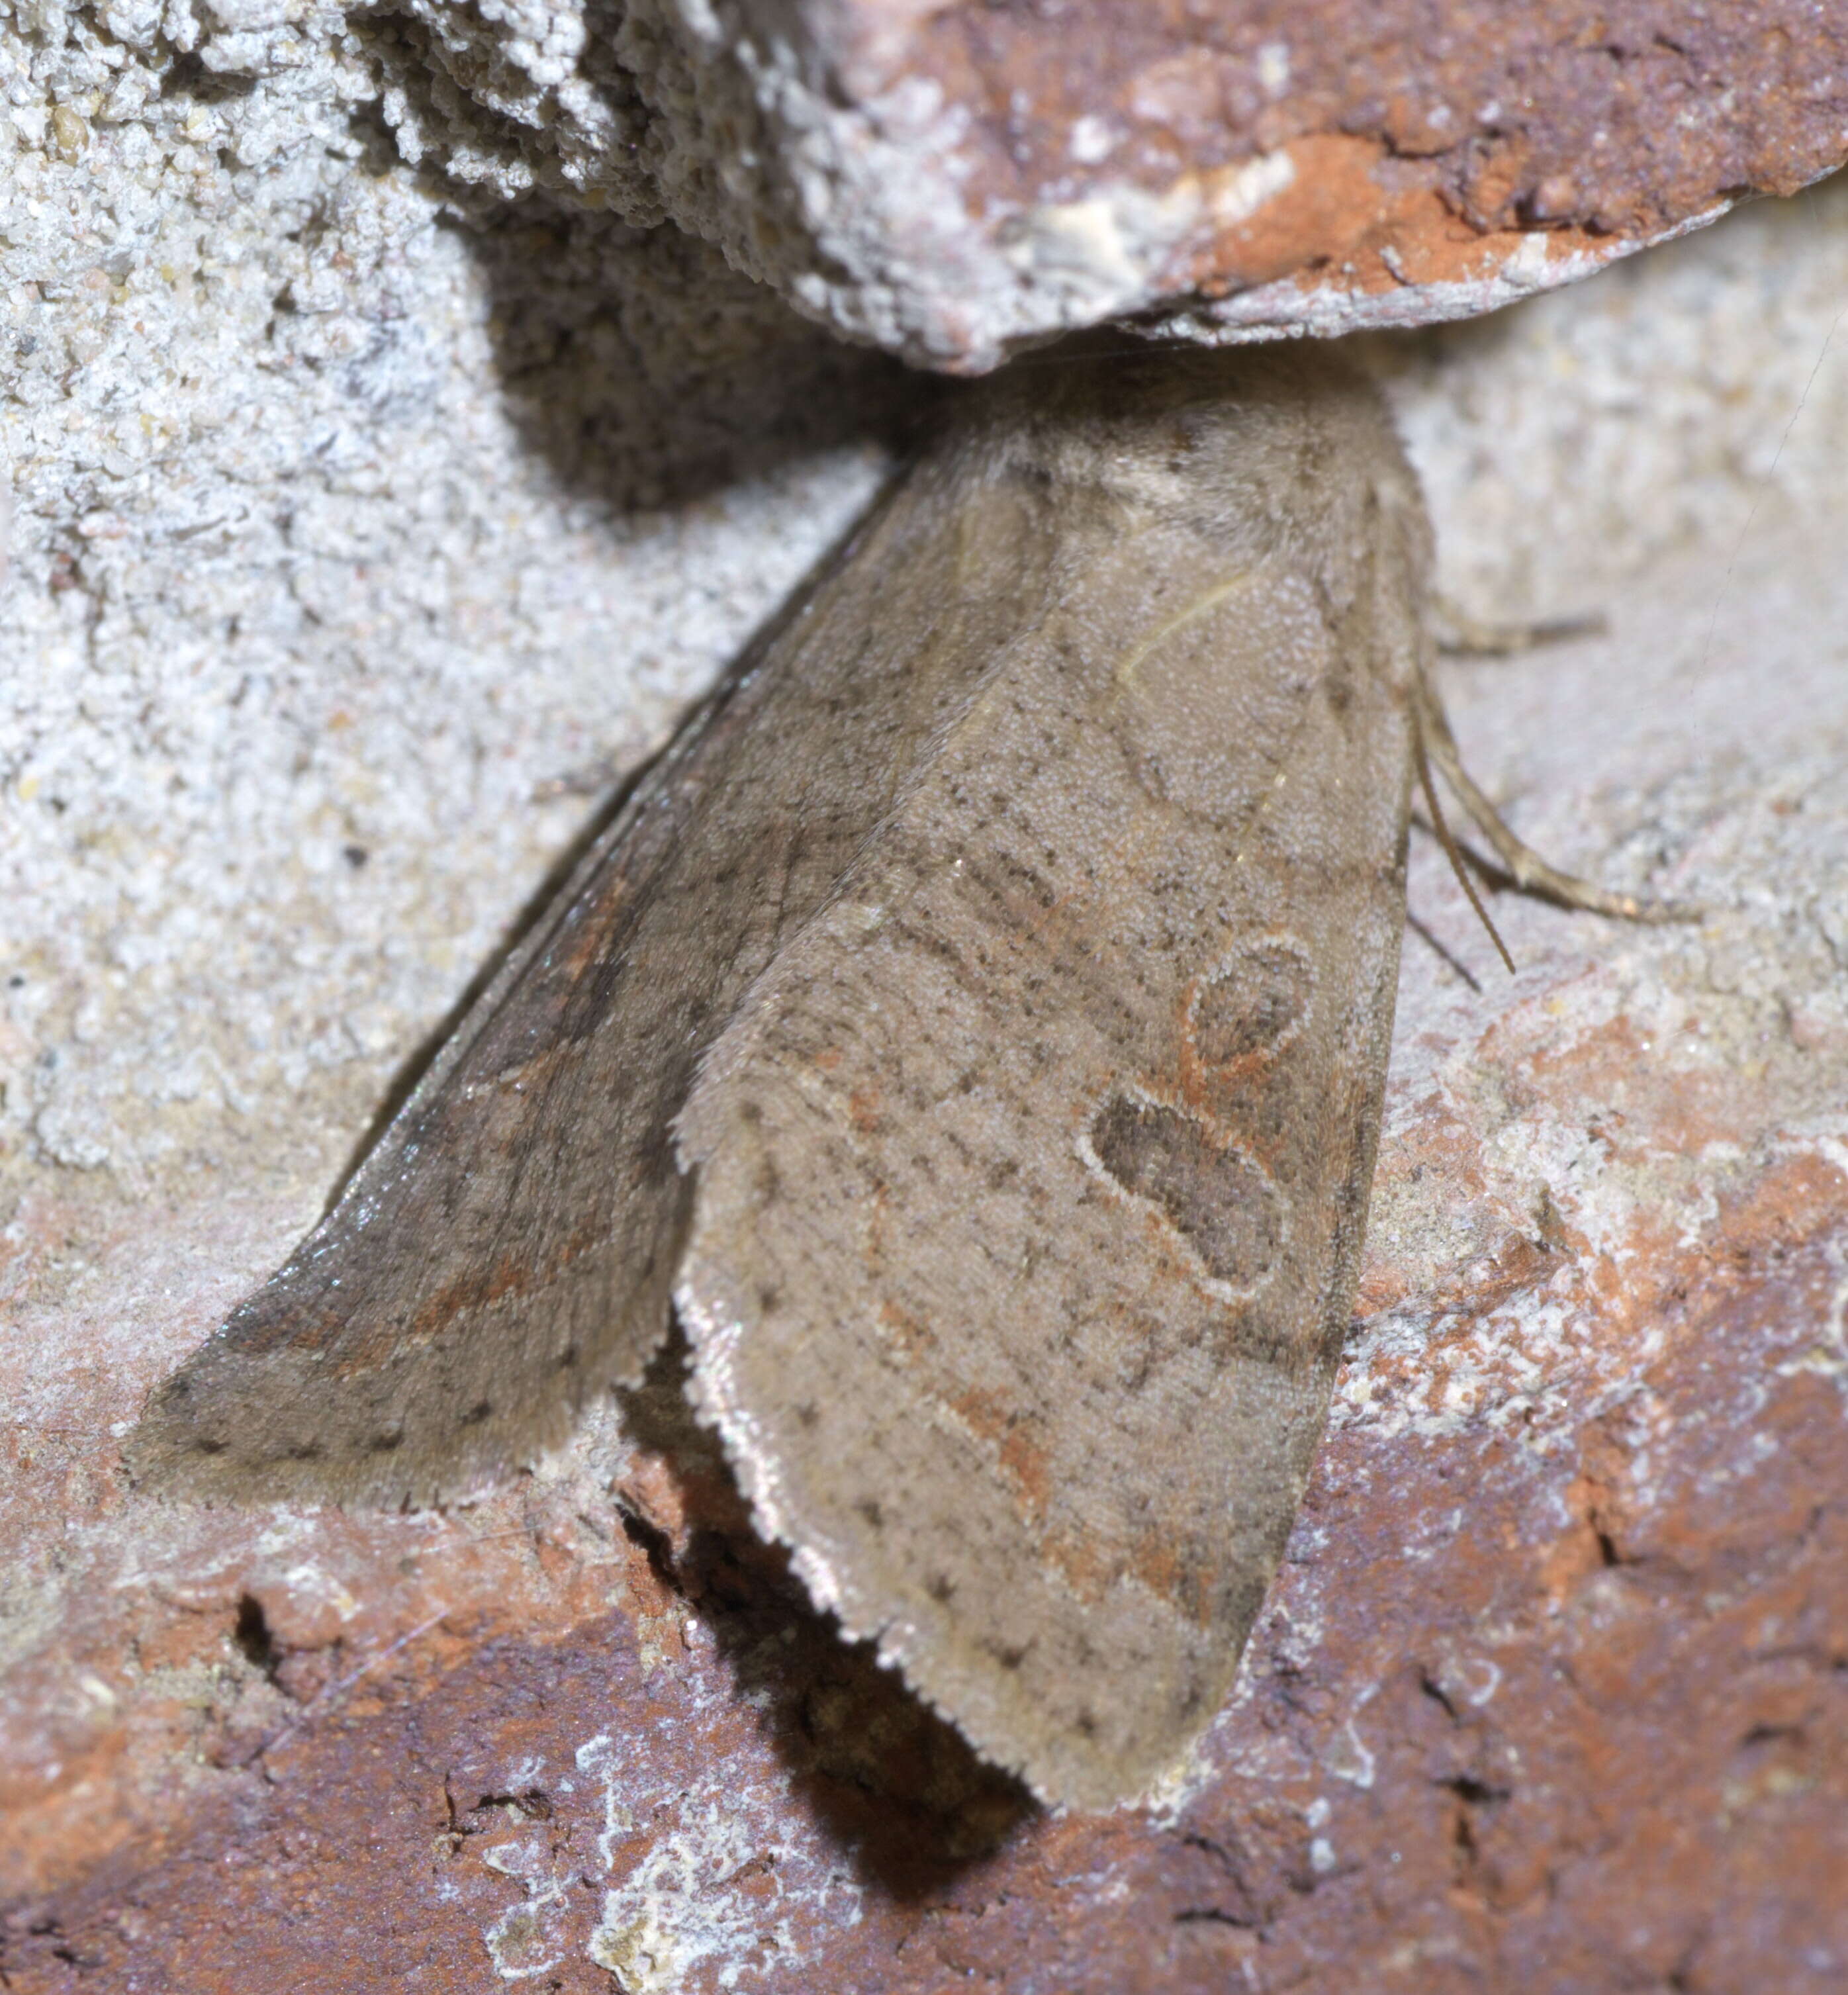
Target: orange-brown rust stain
{"points": [[1580, 1550], [1207, 1091], [1026, 1463], [984, 1413], [1786, 1204], [1192, 1080], [1337, 217], [651, 1487], [907, 1333], [1661, 1102], [509, 1275], [1324, 215], [52, 1826], [1088, 1567], [1021, 1456], [1518, 1263], [1777, 1212], [1154, 1560], [1382, 1285]]}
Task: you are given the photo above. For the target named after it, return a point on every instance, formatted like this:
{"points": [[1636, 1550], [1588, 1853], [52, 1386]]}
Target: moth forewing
{"points": [[507, 1248], [980, 1017], [1031, 1175]]}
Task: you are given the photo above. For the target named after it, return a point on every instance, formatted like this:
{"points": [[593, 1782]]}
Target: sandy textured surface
{"points": [[357, 546]]}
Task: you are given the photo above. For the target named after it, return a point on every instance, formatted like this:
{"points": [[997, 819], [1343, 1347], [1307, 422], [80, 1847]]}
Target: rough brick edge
{"points": [[918, 192]]}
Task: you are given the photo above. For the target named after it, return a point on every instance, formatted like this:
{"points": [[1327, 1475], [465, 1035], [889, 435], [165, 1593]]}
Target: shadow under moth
{"points": [[975, 1025]]}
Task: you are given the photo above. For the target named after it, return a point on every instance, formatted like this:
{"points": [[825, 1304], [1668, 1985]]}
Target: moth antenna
{"points": [[1449, 843], [1531, 874], [1457, 631]]}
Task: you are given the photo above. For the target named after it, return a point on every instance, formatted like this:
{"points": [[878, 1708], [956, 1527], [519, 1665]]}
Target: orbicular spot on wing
{"points": [[1255, 1002], [1221, 1201]]}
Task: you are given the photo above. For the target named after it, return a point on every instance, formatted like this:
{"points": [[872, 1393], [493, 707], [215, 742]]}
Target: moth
{"points": [[975, 1027]]}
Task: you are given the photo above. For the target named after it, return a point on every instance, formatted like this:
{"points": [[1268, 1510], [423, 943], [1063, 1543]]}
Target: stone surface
{"points": [[355, 544], [346, 519], [952, 181]]}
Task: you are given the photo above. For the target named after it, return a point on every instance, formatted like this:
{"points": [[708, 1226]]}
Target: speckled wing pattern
{"points": [[978, 1022], [1031, 1179]]}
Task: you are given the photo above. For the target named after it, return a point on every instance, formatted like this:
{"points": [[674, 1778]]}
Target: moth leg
{"points": [[1458, 633], [1451, 851], [1531, 874]]}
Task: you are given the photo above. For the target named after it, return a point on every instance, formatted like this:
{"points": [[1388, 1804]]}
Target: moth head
{"points": [[1280, 452]]}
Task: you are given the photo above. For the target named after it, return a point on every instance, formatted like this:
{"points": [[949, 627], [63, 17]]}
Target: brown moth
{"points": [[977, 1025]]}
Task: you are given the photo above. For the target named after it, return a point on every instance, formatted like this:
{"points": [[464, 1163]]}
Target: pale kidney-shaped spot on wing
{"points": [[1255, 1002], [1221, 1201]]}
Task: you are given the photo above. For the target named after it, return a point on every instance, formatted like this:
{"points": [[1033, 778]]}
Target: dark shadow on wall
{"points": [[888, 1782], [642, 369], [648, 373]]}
